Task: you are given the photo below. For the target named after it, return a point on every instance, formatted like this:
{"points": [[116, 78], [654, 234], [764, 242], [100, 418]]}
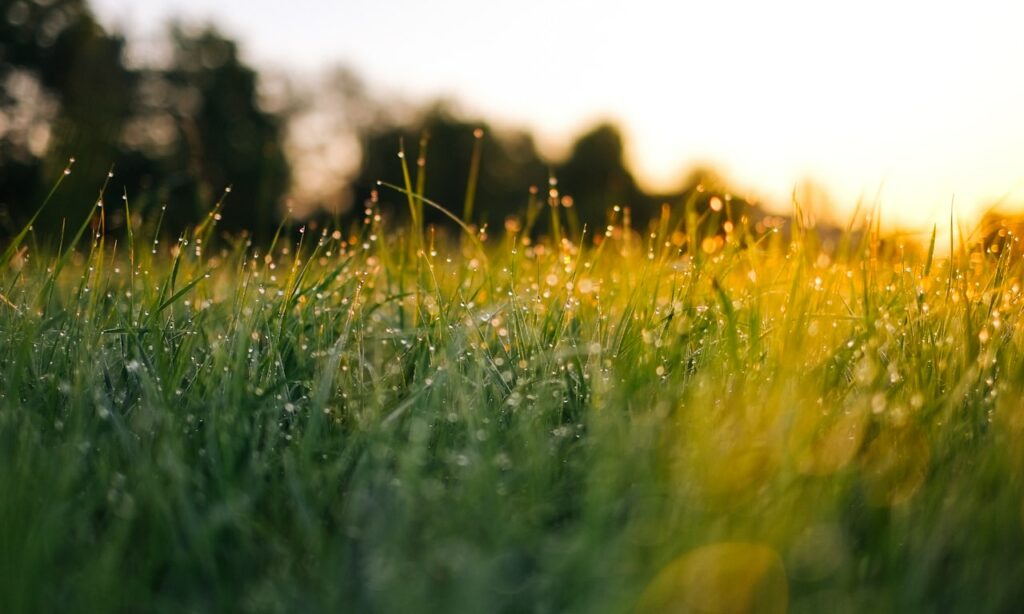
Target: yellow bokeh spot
{"points": [[732, 577], [729, 456], [895, 466], [710, 245], [822, 443]]}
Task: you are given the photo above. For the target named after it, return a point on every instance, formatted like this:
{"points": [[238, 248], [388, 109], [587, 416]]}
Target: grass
{"points": [[343, 421]]}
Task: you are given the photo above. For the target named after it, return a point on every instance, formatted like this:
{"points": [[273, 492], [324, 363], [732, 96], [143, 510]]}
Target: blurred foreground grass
{"points": [[369, 420]]}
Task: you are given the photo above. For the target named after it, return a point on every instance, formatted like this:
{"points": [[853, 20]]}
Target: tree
{"points": [[596, 178], [177, 134], [200, 119], [509, 165], [66, 92]]}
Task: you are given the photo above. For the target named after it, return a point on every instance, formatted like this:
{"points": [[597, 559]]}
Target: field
{"points": [[383, 418]]}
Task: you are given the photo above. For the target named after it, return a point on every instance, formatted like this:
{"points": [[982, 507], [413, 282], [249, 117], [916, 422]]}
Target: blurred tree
{"points": [[200, 120], [324, 122], [596, 178], [177, 134], [509, 165], [997, 231], [716, 205], [65, 92]]}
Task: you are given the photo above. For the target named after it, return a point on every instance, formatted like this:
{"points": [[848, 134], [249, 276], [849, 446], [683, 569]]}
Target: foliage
{"points": [[177, 134], [441, 146], [596, 177]]}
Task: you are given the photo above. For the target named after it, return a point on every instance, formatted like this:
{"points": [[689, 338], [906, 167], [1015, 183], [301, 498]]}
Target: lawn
{"points": [[382, 417]]}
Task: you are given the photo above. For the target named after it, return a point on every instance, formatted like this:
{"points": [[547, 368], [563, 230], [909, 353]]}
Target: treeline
{"points": [[514, 178], [179, 129], [175, 133]]}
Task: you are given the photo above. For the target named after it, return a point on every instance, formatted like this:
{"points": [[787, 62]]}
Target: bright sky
{"points": [[918, 100]]}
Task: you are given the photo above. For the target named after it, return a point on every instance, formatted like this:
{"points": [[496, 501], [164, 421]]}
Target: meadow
{"points": [[384, 417]]}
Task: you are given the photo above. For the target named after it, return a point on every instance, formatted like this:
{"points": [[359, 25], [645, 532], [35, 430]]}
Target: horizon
{"points": [[914, 105]]}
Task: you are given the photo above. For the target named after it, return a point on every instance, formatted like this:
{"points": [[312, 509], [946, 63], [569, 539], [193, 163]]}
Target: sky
{"points": [[915, 104]]}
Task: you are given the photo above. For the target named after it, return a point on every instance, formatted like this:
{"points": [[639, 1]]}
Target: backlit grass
{"points": [[378, 419]]}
